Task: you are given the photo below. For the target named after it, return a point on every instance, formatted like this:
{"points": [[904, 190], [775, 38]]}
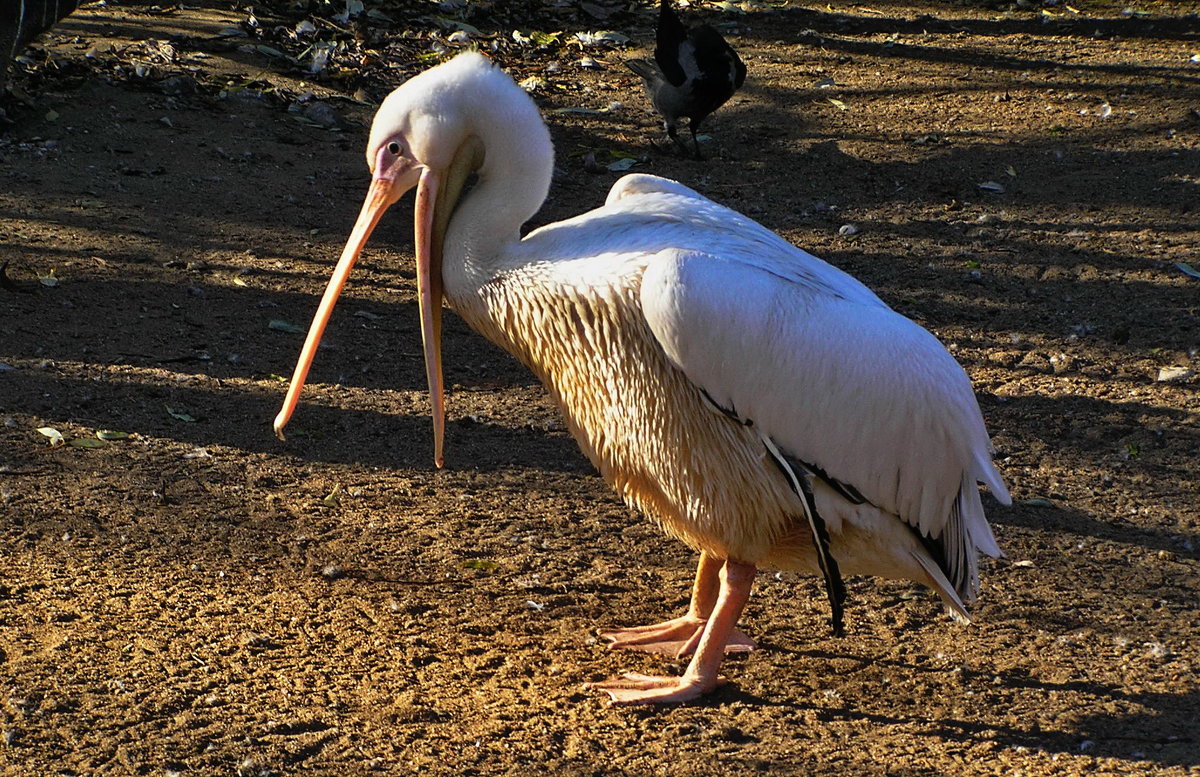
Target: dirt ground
{"points": [[198, 598]]}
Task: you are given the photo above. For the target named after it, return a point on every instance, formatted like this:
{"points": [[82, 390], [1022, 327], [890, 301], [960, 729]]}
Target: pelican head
{"points": [[426, 134]]}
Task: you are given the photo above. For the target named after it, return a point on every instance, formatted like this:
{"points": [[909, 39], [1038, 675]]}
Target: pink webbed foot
{"points": [[631, 688], [715, 635], [676, 637]]}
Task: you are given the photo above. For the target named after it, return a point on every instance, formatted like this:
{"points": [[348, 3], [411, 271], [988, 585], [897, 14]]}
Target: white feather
{"points": [[820, 364]]}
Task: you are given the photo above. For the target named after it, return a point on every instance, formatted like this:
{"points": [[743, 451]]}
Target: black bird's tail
{"points": [[670, 36], [644, 68], [669, 23]]}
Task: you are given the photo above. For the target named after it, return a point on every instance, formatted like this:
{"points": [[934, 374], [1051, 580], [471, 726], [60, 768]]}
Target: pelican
{"points": [[759, 404], [692, 74]]}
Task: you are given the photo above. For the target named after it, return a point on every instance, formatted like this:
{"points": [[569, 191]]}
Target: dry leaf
{"points": [[55, 436]]}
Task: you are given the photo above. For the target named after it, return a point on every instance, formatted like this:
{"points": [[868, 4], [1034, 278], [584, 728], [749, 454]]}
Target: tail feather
{"points": [[645, 68], [937, 579]]}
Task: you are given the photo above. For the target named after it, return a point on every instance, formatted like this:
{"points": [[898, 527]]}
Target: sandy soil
{"points": [[199, 598]]}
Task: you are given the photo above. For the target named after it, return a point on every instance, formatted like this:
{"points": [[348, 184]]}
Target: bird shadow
{"points": [[1161, 732]]}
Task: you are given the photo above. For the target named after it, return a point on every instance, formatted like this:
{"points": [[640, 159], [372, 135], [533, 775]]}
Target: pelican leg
{"points": [[678, 637], [701, 676]]}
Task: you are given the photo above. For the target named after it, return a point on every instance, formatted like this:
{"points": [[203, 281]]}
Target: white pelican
{"points": [[692, 74], [759, 404]]}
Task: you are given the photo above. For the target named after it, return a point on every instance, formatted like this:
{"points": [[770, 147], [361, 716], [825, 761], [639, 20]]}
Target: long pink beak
{"points": [[382, 194]]}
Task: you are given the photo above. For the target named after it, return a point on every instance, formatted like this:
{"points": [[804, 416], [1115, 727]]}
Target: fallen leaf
{"points": [[533, 83], [483, 564], [283, 326], [1187, 269], [621, 165], [187, 419], [87, 442], [269, 51], [1173, 374], [109, 434], [1024, 563], [1038, 502], [991, 186], [368, 315], [334, 498], [577, 110], [604, 36], [535, 37], [55, 436], [841, 106], [455, 24]]}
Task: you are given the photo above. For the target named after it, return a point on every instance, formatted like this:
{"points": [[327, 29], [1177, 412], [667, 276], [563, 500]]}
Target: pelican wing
{"points": [[833, 377]]}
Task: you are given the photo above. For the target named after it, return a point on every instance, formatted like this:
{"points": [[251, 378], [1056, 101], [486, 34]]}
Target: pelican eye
{"points": [[394, 148]]}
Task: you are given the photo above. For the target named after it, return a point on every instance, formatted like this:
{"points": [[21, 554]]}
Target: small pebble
{"points": [[591, 165], [848, 229], [178, 86], [322, 114]]}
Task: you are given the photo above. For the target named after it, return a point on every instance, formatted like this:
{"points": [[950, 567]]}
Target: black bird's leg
{"points": [[695, 141], [673, 134]]}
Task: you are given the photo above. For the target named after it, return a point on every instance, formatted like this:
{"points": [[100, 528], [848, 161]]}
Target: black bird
{"points": [[692, 74]]}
